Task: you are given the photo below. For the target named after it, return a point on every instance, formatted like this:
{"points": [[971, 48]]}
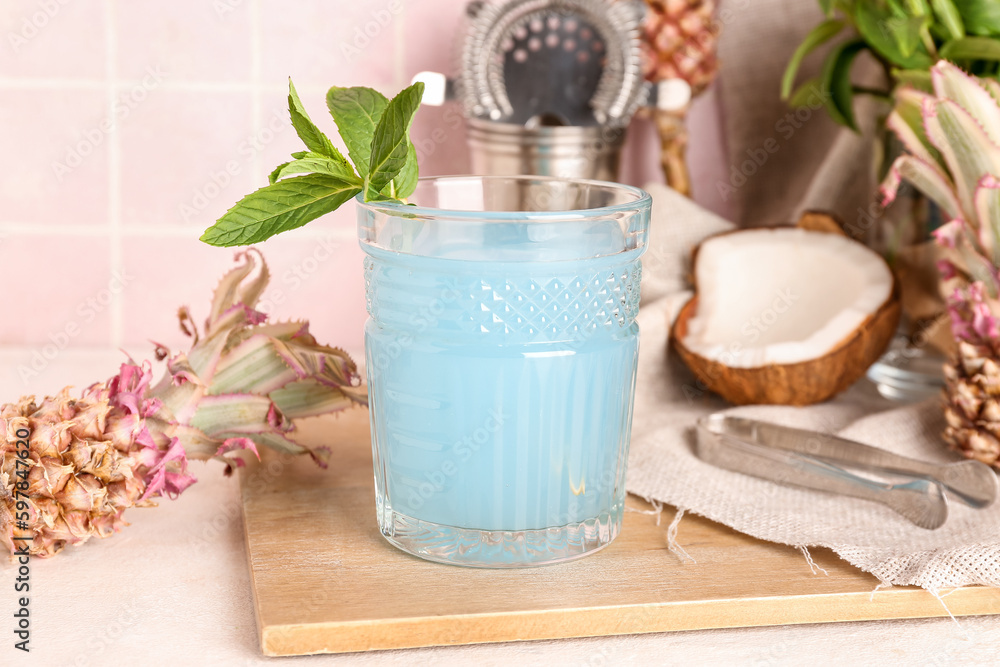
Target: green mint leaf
{"points": [[314, 163], [279, 207], [312, 136], [390, 145], [375, 131], [405, 182], [273, 177], [357, 111]]}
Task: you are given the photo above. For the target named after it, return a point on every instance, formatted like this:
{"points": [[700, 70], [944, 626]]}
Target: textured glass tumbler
{"points": [[501, 356]]}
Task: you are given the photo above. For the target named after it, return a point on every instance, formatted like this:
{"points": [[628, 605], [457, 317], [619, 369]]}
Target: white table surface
{"points": [[174, 589]]}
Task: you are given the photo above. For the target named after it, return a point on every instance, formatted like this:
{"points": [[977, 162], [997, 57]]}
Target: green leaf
{"points": [[311, 135], [906, 33], [279, 207], [835, 81], [885, 32], [373, 128], [390, 145], [972, 48], [809, 94], [826, 6], [981, 17], [357, 112], [917, 7], [948, 17], [816, 37], [273, 177], [314, 163], [918, 78], [406, 180]]}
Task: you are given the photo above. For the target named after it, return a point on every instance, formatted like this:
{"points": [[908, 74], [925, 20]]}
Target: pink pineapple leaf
{"points": [[967, 150], [926, 177], [987, 204], [951, 83], [906, 120]]}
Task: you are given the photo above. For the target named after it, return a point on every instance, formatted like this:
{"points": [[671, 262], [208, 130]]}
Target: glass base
{"points": [[908, 374], [500, 548]]}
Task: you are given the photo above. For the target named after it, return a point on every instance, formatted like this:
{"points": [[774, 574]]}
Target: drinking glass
{"points": [[501, 358]]}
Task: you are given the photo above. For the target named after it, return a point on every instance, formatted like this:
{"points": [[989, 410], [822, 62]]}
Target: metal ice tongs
{"points": [[914, 489]]}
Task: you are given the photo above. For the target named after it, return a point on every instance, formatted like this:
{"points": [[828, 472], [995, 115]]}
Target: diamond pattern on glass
{"points": [[551, 307]]}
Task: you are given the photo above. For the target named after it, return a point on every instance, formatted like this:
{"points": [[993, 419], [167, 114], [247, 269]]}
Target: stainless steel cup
{"points": [[505, 149]]}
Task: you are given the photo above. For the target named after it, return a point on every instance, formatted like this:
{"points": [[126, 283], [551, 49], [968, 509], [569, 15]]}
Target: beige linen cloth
{"points": [[816, 166], [663, 467]]}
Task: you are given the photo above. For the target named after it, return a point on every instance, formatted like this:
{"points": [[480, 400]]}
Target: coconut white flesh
{"points": [[782, 296]]}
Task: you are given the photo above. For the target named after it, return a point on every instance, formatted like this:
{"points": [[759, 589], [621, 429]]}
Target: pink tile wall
{"points": [[128, 126]]}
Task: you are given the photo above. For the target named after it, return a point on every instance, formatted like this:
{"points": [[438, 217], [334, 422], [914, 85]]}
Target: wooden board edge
{"points": [[385, 634], [257, 611]]}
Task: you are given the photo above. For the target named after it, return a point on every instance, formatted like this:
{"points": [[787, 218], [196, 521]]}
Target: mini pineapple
{"points": [[679, 39], [953, 139], [89, 459], [124, 442], [972, 408], [972, 381], [680, 42]]}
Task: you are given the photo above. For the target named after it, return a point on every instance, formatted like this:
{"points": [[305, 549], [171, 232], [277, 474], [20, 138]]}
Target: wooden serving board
{"points": [[325, 581]]}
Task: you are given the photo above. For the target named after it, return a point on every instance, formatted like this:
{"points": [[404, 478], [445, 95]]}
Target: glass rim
{"points": [[642, 199]]}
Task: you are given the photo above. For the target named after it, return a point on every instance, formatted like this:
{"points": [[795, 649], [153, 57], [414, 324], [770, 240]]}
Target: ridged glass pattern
{"points": [[501, 389]]}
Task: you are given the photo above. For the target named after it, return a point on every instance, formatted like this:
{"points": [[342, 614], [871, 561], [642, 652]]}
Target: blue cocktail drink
{"points": [[501, 356]]}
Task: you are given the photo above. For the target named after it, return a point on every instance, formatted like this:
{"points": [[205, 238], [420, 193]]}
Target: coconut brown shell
{"points": [[803, 383]]}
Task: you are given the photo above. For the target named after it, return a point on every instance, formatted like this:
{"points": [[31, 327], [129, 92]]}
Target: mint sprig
{"points": [[357, 112], [320, 179], [314, 163], [390, 144], [279, 207], [311, 136]]}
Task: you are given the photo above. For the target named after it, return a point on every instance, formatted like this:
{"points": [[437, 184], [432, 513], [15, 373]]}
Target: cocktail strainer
{"points": [[553, 62], [549, 86]]}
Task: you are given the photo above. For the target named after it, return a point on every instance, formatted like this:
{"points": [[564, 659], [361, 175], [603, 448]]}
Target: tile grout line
{"points": [[398, 49], [256, 92], [34, 229], [117, 313], [181, 86], [141, 231]]}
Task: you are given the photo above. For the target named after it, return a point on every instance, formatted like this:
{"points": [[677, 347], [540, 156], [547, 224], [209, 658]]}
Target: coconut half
{"points": [[785, 315]]}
